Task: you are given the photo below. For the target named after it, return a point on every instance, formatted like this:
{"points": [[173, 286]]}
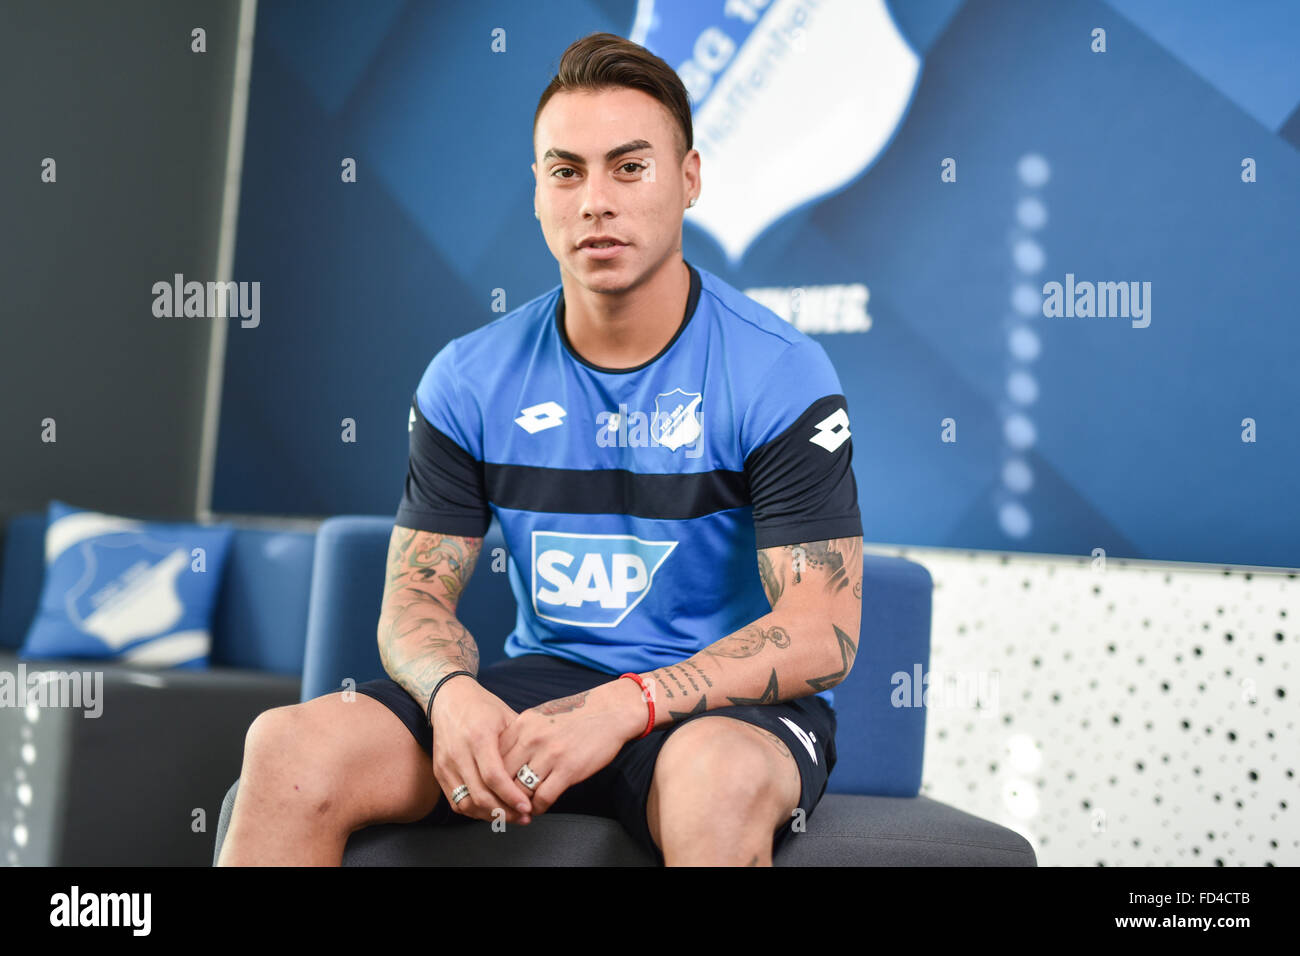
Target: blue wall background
{"points": [[1136, 432]]}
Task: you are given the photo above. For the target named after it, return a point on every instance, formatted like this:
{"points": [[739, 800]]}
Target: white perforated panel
{"points": [[1118, 714]]}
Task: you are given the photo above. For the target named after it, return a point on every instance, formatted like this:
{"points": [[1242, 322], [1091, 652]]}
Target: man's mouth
{"points": [[602, 248]]}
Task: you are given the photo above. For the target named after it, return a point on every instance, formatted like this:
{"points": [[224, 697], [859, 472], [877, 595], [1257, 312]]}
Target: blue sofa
{"points": [[872, 813], [141, 784]]}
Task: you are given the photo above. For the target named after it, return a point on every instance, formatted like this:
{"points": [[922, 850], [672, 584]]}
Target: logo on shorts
{"points": [[806, 738], [592, 580]]}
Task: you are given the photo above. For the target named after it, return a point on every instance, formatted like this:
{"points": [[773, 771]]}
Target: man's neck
{"points": [[627, 329]]}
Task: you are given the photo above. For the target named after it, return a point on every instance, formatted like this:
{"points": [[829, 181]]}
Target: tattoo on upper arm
{"points": [[773, 583], [836, 561], [440, 563]]}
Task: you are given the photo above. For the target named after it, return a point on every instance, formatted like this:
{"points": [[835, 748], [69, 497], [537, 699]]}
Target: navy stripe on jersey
{"points": [[615, 491], [788, 478]]}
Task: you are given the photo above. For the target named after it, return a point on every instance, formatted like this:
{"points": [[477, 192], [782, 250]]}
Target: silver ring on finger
{"points": [[459, 794], [527, 777]]}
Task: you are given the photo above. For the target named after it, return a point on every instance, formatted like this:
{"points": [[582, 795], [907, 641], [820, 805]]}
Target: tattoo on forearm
{"points": [[848, 651], [749, 641], [409, 613], [691, 680], [420, 640], [663, 672], [450, 649], [703, 676], [770, 694], [564, 704], [700, 707]]}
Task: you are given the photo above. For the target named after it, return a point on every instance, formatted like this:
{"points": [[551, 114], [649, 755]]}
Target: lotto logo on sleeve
{"points": [[592, 580]]}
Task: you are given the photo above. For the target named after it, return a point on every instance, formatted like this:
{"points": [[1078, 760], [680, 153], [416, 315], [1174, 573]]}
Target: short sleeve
{"points": [[799, 452], [444, 489]]}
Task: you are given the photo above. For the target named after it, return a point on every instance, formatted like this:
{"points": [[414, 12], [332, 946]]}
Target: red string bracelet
{"points": [[647, 697]]}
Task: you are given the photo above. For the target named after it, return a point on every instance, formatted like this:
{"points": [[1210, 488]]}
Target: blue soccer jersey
{"points": [[633, 501]]}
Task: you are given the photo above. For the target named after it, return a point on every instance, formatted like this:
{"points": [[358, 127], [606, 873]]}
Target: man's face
{"points": [[637, 195]]}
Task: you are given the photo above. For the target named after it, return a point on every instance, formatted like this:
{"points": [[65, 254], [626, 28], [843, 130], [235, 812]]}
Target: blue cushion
{"points": [[120, 588], [261, 617]]}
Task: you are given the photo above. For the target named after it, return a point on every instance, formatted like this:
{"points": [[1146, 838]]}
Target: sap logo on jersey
{"points": [[592, 580]]}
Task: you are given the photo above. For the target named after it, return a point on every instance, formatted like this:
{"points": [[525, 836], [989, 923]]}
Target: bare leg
{"points": [[315, 772], [720, 789]]}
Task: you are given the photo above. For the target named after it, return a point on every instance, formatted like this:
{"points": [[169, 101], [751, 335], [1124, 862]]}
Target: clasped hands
{"points": [[562, 741]]}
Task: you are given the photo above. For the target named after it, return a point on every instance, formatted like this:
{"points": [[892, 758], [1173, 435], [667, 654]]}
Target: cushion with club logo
{"points": [[120, 588]]}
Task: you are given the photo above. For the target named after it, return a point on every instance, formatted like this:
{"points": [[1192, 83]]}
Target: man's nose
{"points": [[598, 200]]}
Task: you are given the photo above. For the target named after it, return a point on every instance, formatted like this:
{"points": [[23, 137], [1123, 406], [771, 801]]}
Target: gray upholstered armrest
{"points": [[123, 788]]}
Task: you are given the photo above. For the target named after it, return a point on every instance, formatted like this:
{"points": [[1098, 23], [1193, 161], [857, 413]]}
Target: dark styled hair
{"points": [[601, 61]]}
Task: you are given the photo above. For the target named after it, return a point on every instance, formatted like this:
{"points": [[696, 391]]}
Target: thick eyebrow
{"points": [[613, 154]]}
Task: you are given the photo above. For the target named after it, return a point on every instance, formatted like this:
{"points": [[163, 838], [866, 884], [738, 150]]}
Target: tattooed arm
{"points": [[804, 646], [420, 639]]}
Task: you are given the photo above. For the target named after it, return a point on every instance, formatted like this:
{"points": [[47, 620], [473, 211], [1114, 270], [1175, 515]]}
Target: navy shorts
{"points": [[622, 788]]}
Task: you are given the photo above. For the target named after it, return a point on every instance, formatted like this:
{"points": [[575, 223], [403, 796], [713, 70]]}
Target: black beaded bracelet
{"points": [[428, 711]]}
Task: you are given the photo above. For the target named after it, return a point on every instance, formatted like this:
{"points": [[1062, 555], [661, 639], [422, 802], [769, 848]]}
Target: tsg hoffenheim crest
{"points": [[676, 419], [791, 99]]}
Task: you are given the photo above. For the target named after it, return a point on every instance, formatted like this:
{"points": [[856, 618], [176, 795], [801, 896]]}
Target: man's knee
{"points": [[288, 758], [721, 764]]}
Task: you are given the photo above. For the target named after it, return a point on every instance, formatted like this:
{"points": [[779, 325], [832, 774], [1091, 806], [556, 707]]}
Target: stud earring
{"points": [[691, 203]]}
